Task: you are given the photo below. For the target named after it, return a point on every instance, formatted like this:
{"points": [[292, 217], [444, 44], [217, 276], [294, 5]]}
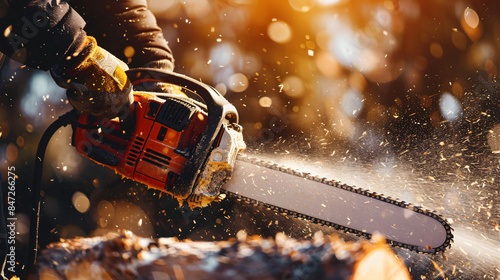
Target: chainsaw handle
{"points": [[219, 110]]}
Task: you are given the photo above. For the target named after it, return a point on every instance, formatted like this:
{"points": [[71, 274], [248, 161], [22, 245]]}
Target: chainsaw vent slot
{"points": [[134, 152], [167, 158], [175, 114], [136, 147], [156, 159]]}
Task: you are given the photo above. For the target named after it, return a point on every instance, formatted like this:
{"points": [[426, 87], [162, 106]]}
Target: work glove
{"points": [[95, 80]]}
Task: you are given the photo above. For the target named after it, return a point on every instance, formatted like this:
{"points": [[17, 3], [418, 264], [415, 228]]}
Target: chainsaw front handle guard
{"points": [[220, 111]]}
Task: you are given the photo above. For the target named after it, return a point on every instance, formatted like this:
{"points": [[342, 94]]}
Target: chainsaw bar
{"points": [[343, 207]]}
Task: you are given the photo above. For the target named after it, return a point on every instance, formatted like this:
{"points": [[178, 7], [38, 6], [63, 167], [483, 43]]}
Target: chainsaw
{"points": [[186, 141]]}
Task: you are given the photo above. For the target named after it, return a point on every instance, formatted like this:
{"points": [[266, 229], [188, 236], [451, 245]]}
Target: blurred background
{"points": [[388, 87]]}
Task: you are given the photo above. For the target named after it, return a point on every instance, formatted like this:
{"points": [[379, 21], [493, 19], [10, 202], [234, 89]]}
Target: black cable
{"points": [[62, 121], [3, 226]]}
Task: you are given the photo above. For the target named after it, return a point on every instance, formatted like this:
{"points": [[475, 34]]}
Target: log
{"points": [[127, 256]]}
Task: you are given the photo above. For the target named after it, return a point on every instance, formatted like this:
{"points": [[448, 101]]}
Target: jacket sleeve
{"points": [[39, 33], [127, 29]]}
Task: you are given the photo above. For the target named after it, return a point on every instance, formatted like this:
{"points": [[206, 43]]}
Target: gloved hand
{"points": [[95, 79]]}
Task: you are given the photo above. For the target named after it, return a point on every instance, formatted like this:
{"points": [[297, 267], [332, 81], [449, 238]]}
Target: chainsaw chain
{"points": [[336, 184]]}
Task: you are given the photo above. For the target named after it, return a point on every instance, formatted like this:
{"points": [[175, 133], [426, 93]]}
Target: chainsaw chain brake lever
{"points": [[220, 112]]}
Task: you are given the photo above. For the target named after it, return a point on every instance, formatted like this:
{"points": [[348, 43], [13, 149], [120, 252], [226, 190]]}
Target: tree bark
{"points": [[127, 256]]}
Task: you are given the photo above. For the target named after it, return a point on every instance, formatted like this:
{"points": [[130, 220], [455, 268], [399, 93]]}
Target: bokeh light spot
{"points": [[238, 82], [329, 2], [265, 102], [357, 81], [129, 51], [81, 202], [198, 8], [436, 50], [279, 32], [323, 39], [221, 88], [105, 209], [328, 65], [222, 54], [12, 152], [293, 86], [368, 60], [490, 67], [471, 17], [352, 103], [450, 107], [459, 40], [480, 52], [165, 8], [20, 141], [457, 89], [22, 224], [301, 5], [41, 86]]}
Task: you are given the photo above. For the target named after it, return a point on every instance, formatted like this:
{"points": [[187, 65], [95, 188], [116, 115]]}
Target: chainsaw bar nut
{"points": [[217, 156]]}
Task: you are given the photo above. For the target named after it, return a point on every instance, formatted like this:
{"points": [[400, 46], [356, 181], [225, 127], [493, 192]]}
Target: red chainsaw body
{"points": [[157, 145]]}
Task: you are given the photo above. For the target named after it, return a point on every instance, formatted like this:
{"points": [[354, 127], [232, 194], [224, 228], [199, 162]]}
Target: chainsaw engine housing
{"points": [[162, 139]]}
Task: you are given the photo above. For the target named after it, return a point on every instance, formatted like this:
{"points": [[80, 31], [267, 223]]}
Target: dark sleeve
{"points": [[39, 33], [128, 30]]}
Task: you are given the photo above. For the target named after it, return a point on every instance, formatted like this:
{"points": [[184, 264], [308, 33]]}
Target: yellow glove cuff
{"points": [[100, 71]]}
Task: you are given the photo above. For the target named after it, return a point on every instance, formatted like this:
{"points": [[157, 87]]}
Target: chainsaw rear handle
{"points": [[219, 112]]}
